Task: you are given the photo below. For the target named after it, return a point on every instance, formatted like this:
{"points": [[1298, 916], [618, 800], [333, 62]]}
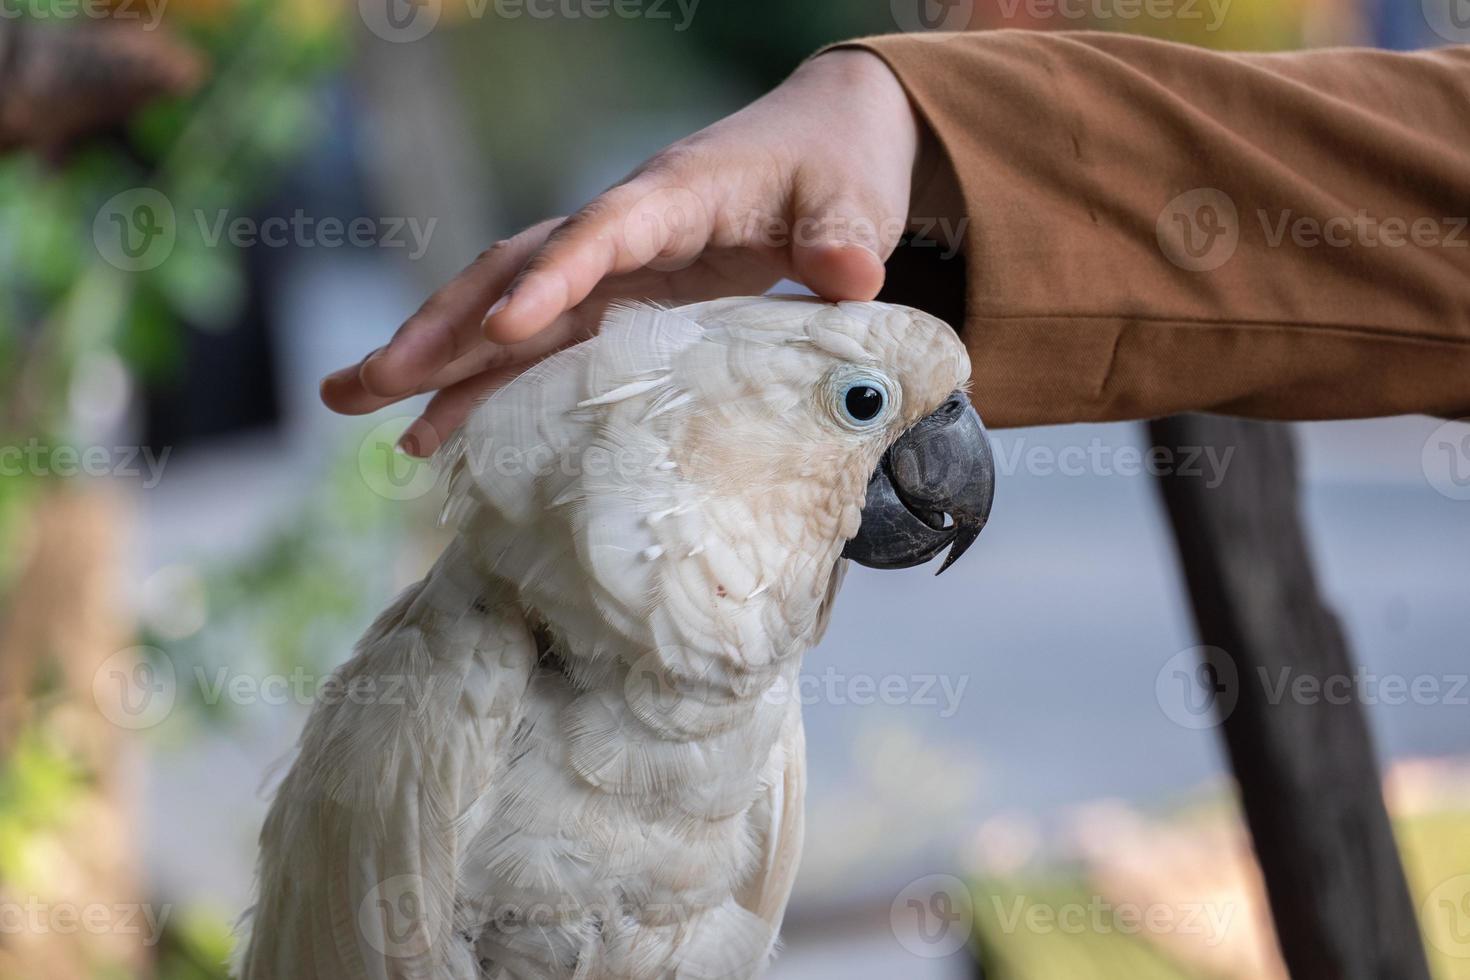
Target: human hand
{"points": [[811, 182]]}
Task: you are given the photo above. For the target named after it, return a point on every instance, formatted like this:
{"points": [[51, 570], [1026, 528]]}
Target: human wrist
{"points": [[897, 127], [870, 87]]}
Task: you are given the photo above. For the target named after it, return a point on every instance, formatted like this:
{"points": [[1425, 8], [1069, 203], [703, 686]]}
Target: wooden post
{"points": [[1308, 778], [62, 621]]}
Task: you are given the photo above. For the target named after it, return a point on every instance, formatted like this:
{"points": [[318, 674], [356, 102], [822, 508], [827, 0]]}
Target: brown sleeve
{"points": [[1154, 228]]}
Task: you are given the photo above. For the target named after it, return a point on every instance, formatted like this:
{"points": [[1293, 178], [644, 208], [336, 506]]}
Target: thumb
{"points": [[837, 250]]}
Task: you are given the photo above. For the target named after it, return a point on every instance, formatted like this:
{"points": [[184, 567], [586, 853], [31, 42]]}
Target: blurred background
{"points": [[208, 204]]}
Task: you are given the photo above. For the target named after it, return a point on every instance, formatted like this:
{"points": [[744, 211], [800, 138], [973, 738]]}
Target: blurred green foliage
{"points": [[194, 946], [38, 783], [1435, 846], [222, 148], [61, 304]]}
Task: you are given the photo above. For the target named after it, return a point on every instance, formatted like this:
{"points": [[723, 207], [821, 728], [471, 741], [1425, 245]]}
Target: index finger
{"points": [[446, 326], [641, 224]]}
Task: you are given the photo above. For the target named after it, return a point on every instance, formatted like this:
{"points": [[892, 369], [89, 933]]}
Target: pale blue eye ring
{"points": [[862, 400]]}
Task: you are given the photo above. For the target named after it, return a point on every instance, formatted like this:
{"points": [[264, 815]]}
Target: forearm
{"points": [[1321, 269]]}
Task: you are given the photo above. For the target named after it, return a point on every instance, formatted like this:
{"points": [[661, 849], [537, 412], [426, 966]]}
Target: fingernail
{"points": [[409, 443], [337, 377], [861, 246], [500, 305]]}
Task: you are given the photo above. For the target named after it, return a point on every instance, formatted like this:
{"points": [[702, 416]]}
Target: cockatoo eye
{"points": [[863, 402], [859, 398]]}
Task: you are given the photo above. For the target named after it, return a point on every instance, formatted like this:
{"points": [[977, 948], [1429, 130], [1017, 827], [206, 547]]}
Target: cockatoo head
{"points": [[853, 416]]}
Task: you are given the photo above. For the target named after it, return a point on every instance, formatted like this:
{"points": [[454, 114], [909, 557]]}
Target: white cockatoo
{"points": [[565, 754]]}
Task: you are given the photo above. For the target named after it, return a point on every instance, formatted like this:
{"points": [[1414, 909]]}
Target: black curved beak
{"points": [[932, 490]]}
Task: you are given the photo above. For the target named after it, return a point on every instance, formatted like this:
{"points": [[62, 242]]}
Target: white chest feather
{"points": [[610, 851]]}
